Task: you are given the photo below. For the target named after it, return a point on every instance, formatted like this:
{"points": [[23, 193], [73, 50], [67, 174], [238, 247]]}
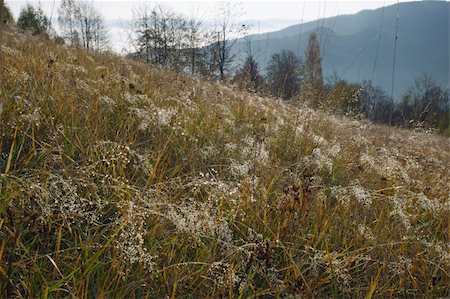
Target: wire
{"points": [[323, 22], [265, 52], [301, 28], [393, 63], [379, 42], [380, 33], [329, 33]]}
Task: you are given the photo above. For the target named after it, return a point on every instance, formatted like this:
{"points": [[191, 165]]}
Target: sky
{"points": [[263, 15]]}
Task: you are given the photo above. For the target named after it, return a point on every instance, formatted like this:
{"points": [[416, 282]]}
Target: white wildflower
{"points": [[299, 130], [365, 159], [341, 195], [366, 232], [334, 150], [361, 195], [209, 152], [401, 267], [107, 100], [428, 204], [319, 140], [321, 160], [32, 118], [399, 211], [165, 116], [240, 169]]}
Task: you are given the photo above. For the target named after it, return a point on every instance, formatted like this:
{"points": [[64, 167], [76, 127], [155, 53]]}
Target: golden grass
{"points": [[119, 180]]}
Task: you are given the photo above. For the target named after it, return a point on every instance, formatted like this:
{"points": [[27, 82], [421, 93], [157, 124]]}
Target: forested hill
{"points": [[351, 44]]}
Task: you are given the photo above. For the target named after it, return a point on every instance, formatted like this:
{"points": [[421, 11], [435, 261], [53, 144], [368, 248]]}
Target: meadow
{"points": [[121, 180]]}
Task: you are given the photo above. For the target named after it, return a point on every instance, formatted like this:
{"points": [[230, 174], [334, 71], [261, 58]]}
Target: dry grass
{"points": [[119, 180]]}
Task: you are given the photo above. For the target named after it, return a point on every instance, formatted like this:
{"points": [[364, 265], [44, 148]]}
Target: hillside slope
{"points": [[123, 181], [352, 44]]}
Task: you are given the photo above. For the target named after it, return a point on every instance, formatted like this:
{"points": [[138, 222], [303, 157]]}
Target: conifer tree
{"points": [[312, 66], [33, 20]]}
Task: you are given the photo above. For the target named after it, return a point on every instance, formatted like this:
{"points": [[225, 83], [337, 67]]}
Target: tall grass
{"points": [[119, 180]]}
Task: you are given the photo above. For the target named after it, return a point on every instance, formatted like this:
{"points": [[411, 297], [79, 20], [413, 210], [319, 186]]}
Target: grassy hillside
{"points": [[123, 181]]}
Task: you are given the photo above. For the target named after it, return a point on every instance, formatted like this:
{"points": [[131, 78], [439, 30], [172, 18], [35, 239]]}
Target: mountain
{"points": [[351, 44]]}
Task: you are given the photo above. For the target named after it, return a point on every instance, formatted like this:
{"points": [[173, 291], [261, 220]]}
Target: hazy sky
{"points": [[251, 9], [265, 15]]}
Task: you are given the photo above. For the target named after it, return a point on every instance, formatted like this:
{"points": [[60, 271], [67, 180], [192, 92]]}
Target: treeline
{"points": [[165, 38], [424, 106]]}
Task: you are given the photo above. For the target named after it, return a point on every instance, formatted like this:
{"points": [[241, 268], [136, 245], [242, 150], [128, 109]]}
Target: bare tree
{"points": [[82, 24], [376, 102], [160, 35], [194, 42], [227, 32], [425, 102]]}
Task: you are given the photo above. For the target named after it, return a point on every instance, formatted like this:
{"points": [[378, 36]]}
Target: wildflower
{"points": [[334, 150], [402, 266], [32, 118], [107, 100], [240, 169], [321, 160], [255, 150], [366, 232], [299, 130], [165, 116], [361, 195], [367, 160], [340, 194], [431, 205], [399, 210], [319, 140], [10, 51]]}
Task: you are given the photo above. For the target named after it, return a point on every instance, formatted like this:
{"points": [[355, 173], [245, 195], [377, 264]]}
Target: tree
{"points": [[227, 31], [248, 77], [194, 40], [5, 14], [283, 74], [33, 20], [160, 36], [66, 19], [83, 25], [376, 104], [425, 104], [312, 66], [345, 97]]}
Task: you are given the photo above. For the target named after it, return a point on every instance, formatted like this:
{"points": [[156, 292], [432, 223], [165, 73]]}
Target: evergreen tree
{"points": [[248, 77], [5, 14], [33, 20], [312, 67]]}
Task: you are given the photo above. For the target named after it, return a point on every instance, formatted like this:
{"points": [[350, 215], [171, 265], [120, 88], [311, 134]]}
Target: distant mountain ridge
{"points": [[349, 44]]}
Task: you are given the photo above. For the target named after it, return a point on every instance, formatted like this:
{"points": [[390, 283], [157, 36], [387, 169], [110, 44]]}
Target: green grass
{"points": [[121, 180]]}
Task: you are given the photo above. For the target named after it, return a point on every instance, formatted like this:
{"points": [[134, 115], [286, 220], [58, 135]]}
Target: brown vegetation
{"points": [[122, 180]]}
